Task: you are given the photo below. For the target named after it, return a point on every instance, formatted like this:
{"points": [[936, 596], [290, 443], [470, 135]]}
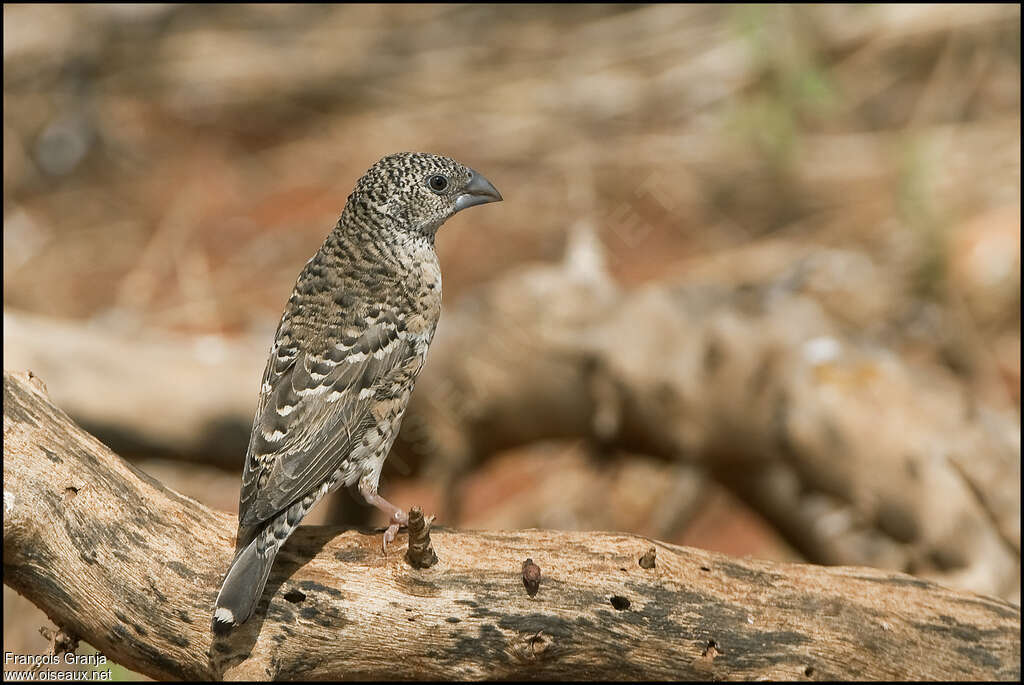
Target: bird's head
{"points": [[416, 192]]}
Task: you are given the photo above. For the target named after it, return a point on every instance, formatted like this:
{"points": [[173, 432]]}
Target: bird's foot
{"points": [[398, 519], [389, 537]]}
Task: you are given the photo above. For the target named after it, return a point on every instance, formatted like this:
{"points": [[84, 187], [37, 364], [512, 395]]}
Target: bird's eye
{"points": [[438, 183]]}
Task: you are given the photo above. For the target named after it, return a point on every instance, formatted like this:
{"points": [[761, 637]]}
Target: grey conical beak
{"points": [[477, 192]]}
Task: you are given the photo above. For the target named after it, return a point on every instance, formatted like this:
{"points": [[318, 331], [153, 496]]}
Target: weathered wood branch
{"points": [[114, 557], [775, 370]]}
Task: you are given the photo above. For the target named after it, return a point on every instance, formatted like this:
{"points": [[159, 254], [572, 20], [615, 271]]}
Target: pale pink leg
{"points": [[396, 516]]}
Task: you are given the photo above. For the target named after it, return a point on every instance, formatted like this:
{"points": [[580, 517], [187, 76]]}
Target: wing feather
{"points": [[314, 409]]}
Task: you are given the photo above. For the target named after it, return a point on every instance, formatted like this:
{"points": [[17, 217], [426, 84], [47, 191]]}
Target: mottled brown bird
{"points": [[350, 344]]}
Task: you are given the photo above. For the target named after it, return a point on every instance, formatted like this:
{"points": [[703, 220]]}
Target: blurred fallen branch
{"points": [[162, 393], [777, 385], [113, 556]]}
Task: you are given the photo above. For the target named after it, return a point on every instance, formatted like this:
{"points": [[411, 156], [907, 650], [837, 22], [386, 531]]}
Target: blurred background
{"points": [[168, 169]]}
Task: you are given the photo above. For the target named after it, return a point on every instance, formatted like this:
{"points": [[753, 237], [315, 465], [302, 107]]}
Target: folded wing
{"points": [[314, 409]]}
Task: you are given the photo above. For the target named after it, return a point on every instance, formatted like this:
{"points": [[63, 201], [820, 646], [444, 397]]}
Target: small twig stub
{"points": [[61, 642], [531, 577], [420, 553]]}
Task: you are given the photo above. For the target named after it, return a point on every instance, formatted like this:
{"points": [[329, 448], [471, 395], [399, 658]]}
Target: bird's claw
{"points": [[398, 519], [389, 536]]}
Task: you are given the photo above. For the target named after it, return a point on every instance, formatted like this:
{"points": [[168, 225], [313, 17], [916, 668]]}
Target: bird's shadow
{"points": [[233, 645]]}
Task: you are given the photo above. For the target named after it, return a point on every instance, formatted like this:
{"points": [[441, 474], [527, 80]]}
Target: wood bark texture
{"points": [[133, 567]]}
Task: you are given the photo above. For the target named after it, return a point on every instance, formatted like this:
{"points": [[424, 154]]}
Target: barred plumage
{"points": [[351, 341]]}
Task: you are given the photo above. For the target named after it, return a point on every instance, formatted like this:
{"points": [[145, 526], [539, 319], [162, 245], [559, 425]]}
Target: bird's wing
{"points": [[314, 408]]}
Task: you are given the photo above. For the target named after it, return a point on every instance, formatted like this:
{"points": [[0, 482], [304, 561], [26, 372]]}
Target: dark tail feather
{"points": [[243, 586]]}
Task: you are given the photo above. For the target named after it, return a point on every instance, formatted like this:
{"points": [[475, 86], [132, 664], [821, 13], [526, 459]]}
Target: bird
{"points": [[352, 339]]}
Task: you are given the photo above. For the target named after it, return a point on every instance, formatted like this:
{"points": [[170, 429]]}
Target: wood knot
{"points": [[420, 553], [647, 560], [539, 644], [534, 647], [531, 577]]}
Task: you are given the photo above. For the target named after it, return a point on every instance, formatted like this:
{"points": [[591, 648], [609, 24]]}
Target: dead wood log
{"points": [[171, 394], [116, 558]]}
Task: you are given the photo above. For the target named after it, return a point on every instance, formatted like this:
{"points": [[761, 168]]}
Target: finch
{"points": [[351, 342]]}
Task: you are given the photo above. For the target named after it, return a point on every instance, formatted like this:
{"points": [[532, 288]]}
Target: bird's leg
{"points": [[396, 516]]}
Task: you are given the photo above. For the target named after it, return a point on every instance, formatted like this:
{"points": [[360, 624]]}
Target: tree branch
{"points": [[133, 567]]}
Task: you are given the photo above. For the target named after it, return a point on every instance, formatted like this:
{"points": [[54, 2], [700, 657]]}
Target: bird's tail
{"points": [[244, 583]]}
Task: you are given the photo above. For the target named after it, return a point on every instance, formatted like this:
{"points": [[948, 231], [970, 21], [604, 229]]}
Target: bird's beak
{"points": [[477, 192]]}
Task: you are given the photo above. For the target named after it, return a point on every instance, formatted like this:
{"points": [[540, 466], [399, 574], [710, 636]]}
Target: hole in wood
{"points": [[620, 603], [711, 650], [295, 597]]}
